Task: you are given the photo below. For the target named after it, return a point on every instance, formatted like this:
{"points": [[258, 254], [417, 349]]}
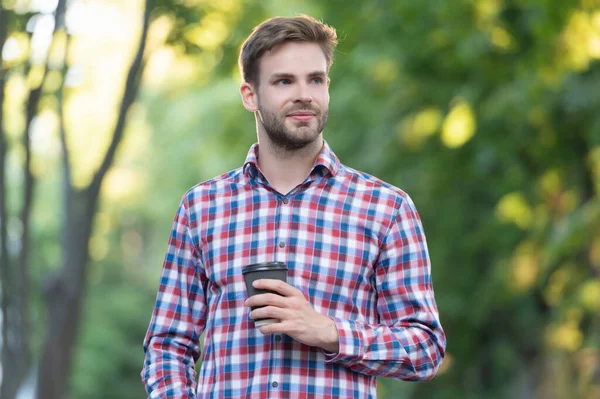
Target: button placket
{"points": [[276, 355], [282, 236], [281, 242]]}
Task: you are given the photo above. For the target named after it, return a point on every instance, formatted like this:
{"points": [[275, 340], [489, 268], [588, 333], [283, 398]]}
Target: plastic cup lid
{"points": [[264, 266]]}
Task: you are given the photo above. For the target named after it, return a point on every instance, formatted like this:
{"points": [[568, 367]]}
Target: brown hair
{"points": [[279, 30]]}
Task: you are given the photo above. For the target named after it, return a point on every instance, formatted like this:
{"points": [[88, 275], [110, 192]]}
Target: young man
{"points": [[359, 301]]}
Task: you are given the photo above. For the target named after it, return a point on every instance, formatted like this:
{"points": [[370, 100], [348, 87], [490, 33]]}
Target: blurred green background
{"points": [[486, 112]]}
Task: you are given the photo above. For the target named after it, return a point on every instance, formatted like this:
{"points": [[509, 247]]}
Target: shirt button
{"points": [[275, 384], [278, 338], [285, 200], [281, 244]]}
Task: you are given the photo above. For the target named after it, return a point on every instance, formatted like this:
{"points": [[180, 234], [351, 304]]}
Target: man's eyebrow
{"points": [[285, 75], [281, 75]]}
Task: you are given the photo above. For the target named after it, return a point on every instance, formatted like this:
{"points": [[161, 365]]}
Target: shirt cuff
{"points": [[350, 340]]}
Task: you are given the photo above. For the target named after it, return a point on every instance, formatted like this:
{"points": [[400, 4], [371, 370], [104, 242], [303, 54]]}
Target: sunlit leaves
{"points": [[44, 143], [487, 10], [594, 253], [16, 91], [550, 183], [573, 232], [501, 38], [589, 295], [594, 165], [566, 335], [15, 49], [92, 106], [557, 284], [385, 71], [581, 40], [209, 33], [514, 208], [525, 266], [415, 129], [459, 125]]}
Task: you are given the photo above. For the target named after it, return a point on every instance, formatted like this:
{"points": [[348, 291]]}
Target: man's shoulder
{"points": [[220, 185], [364, 182]]}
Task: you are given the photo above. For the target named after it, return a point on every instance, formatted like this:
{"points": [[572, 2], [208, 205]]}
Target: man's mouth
{"points": [[301, 115]]}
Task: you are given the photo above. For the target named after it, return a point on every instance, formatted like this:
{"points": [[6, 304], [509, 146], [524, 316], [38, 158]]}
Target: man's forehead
{"points": [[294, 54]]}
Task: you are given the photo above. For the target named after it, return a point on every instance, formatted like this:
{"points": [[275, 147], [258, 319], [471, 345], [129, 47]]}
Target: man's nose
{"points": [[303, 93]]}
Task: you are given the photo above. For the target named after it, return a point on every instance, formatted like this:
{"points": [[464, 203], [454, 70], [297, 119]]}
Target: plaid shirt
{"points": [[355, 247]]}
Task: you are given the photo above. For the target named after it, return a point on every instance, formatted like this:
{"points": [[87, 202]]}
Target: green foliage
{"points": [[109, 352]]}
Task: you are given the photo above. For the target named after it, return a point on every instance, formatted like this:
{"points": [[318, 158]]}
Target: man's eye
{"points": [[283, 82], [317, 80]]}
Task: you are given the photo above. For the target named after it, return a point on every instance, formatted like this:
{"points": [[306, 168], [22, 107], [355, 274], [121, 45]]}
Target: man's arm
{"points": [[171, 345], [408, 343]]}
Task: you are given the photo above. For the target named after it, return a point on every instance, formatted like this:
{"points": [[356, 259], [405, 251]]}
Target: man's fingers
{"points": [[278, 286], [270, 312], [275, 328], [265, 300]]}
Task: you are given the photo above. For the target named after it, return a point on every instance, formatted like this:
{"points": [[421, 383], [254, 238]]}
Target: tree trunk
{"points": [[17, 346], [64, 298], [14, 359], [15, 313], [64, 294]]}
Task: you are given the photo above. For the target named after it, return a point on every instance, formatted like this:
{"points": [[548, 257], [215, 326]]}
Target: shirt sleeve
{"points": [[171, 345], [408, 343]]}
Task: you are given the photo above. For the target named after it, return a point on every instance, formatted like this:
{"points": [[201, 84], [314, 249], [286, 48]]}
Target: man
{"points": [[359, 300]]}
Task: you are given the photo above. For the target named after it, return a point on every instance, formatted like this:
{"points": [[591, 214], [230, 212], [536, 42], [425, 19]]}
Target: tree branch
{"points": [[61, 123], [4, 261], [129, 95], [32, 107], [31, 110], [63, 134], [3, 151], [14, 359]]}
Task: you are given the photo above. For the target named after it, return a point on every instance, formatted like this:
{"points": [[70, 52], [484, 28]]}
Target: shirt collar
{"points": [[326, 161], [251, 165]]}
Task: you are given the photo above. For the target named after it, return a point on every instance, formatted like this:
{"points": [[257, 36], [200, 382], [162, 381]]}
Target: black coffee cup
{"points": [[265, 270]]}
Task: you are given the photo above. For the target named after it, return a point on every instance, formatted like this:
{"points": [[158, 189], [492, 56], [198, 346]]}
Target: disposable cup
{"points": [[265, 270]]}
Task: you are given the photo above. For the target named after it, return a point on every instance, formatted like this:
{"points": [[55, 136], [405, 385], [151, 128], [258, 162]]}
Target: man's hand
{"points": [[298, 319]]}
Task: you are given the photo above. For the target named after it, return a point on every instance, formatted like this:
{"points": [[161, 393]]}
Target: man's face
{"points": [[293, 94]]}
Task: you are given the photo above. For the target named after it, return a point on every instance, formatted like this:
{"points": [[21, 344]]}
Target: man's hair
{"points": [[278, 30]]}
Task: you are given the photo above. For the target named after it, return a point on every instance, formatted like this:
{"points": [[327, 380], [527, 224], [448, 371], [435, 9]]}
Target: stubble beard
{"points": [[283, 137]]}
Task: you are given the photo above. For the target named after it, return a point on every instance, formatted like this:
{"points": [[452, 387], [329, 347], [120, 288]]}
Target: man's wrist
{"points": [[331, 342]]}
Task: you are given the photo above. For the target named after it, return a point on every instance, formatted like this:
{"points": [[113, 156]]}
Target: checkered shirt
{"points": [[353, 244]]}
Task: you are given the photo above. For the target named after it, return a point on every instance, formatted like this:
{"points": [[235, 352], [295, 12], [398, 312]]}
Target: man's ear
{"points": [[249, 97]]}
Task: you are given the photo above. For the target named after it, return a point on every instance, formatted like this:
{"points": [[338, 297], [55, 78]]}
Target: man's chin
{"points": [[295, 125], [297, 142]]}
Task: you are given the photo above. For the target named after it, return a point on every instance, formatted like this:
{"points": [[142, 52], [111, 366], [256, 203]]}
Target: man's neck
{"points": [[285, 169]]}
